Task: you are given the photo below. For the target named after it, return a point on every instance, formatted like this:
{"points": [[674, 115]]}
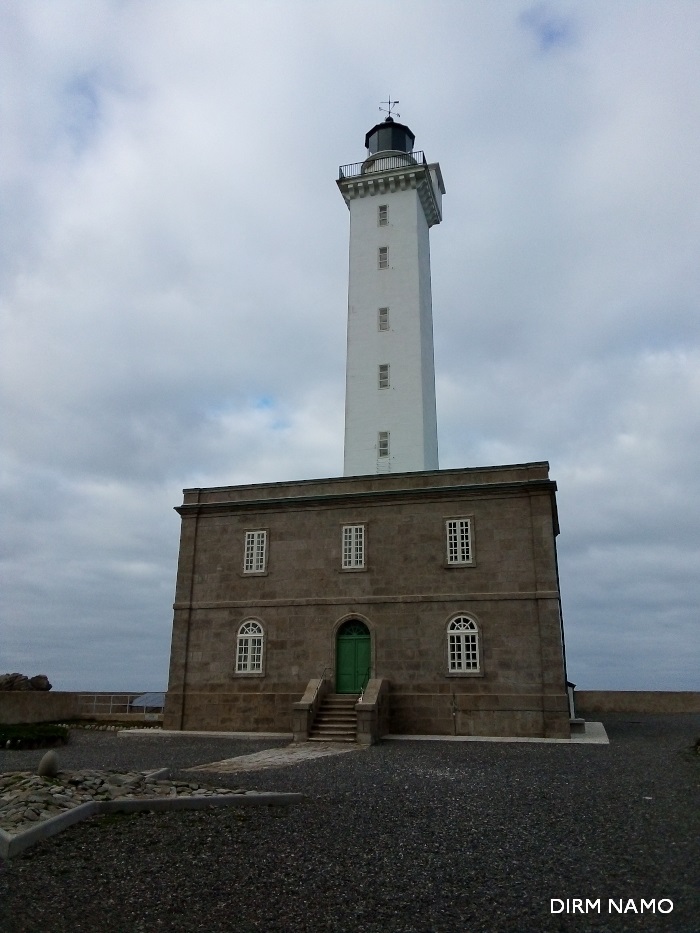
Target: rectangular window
{"points": [[353, 546], [383, 257], [255, 552], [383, 215], [383, 444], [459, 541], [383, 318], [383, 375]]}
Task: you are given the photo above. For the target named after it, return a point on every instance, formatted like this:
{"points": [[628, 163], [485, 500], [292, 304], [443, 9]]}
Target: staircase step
{"points": [[334, 738], [329, 729], [336, 719]]}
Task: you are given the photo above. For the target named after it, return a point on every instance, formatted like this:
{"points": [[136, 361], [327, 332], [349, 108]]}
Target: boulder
{"points": [[40, 682], [48, 766]]}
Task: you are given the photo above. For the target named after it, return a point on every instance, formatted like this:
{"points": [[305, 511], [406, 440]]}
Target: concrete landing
{"points": [[278, 757]]}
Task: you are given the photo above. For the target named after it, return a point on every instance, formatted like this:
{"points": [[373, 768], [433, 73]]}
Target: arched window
{"points": [[249, 648], [462, 645]]}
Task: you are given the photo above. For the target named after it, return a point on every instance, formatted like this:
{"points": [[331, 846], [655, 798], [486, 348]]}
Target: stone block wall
{"points": [[19, 706]]}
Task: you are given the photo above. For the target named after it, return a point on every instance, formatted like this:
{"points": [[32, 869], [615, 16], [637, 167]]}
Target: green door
{"points": [[353, 657]]}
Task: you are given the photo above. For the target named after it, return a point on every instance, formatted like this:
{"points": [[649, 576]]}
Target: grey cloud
{"points": [[175, 251]]}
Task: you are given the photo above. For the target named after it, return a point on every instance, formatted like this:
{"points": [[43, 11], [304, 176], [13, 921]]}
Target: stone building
{"points": [[437, 589], [399, 597]]}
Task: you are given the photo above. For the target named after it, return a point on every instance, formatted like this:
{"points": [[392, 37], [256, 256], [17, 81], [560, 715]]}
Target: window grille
{"points": [[249, 649], [383, 215], [462, 645], [255, 552], [383, 318], [353, 546], [383, 375], [383, 257], [459, 541], [383, 444]]}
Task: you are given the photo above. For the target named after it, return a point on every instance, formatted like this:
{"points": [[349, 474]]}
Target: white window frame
{"points": [[383, 375], [383, 319], [353, 547], [255, 551], [383, 257], [382, 444], [249, 647], [383, 215], [463, 646], [459, 541]]}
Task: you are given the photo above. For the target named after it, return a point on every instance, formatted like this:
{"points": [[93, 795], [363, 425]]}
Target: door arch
{"points": [[353, 656]]}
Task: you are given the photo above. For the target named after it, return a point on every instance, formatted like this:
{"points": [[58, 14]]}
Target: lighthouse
{"points": [[394, 197]]}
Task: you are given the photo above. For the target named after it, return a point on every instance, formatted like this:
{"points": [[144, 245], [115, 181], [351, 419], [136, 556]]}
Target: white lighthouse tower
{"points": [[394, 197]]}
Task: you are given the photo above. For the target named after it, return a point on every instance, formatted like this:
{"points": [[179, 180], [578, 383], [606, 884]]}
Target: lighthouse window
{"points": [[383, 318], [383, 375], [383, 215], [353, 547], [383, 257], [255, 556], [459, 550], [383, 444]]}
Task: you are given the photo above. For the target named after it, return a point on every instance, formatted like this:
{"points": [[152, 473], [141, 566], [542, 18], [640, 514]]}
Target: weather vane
{"points": [[391, 104]]}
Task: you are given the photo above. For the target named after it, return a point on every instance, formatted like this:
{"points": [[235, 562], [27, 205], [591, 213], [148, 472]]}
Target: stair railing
{"points": [[364, 684], [326, 670]]}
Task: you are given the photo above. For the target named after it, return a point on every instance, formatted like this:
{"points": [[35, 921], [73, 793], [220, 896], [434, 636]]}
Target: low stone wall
{"points": [[527, 715], [52, 706], [589, 702], [37, 706]]}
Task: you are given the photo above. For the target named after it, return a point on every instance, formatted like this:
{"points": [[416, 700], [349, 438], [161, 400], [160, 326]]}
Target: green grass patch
{"points": [[32, 735]]}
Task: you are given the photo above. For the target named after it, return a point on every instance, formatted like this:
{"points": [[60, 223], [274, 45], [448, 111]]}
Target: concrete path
{"points": [[278, 757]]}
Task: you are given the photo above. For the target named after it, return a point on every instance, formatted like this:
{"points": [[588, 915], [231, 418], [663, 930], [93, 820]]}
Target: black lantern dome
{"points": [[389, 136]]}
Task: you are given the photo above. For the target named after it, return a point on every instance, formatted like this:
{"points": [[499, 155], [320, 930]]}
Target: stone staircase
{"points": [[336, 719]]}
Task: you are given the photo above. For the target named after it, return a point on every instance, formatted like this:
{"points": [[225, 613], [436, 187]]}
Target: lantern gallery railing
{"points": [[381, 163]]}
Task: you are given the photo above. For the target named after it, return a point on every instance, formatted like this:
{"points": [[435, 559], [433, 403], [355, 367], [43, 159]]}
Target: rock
{"points": [[17, 681], [40, 682], [14, 682], [48, 766]]}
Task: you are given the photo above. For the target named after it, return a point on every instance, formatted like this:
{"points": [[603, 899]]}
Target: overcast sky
{"points": [[173, 288]]}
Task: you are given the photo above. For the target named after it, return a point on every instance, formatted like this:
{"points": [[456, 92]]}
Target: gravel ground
{"points": [[406, 837]]}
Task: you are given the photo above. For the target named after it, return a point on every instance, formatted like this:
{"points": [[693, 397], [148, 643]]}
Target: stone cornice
{"points": [[396, 179], [371, 497]]}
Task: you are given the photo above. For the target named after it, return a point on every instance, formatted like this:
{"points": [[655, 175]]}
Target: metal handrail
{"points": [[111, 703], [318, 685], [380, 163], [364, 684]]}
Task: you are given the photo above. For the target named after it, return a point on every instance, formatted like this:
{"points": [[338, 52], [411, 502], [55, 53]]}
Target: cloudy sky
{"points": [[173, 288]]}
